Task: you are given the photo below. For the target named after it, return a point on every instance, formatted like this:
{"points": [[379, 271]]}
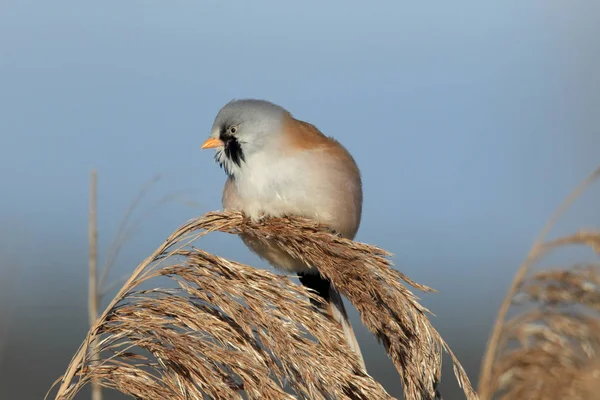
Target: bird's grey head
{"points": [[242, 128]]}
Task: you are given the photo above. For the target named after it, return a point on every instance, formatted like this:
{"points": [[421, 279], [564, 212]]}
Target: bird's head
{"points": [[242, 129]]}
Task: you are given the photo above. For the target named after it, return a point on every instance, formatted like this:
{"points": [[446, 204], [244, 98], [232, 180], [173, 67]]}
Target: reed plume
{"points": [[228, 330], [550, 348]]}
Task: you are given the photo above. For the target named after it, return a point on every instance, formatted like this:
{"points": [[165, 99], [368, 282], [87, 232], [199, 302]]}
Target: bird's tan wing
{"points": [[339, 169]]}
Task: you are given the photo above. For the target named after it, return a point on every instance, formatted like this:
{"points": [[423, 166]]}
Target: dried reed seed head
{"points": [[552, 349], [228, 327]]}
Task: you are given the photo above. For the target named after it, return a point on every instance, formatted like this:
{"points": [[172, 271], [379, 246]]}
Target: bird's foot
{"points": [[335, 233]]}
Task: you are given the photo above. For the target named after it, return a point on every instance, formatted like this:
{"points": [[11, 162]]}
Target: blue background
{"points": [[470, 122]]}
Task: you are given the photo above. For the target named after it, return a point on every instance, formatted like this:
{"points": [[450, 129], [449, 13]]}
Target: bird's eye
{"points": [[233, 130]]}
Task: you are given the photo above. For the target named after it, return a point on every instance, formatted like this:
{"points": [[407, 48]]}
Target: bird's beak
{"points": [[212, 143]]}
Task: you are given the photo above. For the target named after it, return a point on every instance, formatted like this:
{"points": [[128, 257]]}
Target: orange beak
{"points": [[211, 143]]}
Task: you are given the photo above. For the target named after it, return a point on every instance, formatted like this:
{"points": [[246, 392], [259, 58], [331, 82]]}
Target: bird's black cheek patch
{"points": [[234, 151]]}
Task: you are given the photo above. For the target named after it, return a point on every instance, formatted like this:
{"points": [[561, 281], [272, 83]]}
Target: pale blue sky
{"points": [[469, 121]]}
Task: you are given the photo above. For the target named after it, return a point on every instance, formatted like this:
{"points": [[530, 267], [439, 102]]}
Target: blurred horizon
{"points": [[470, 124]]}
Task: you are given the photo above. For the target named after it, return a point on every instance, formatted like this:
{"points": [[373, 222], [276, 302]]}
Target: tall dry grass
{"points": [[93, 289], [98, 285], [228, 329], [551, 348]]}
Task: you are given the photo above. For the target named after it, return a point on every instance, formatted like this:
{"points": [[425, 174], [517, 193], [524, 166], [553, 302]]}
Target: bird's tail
{"points": [[335, 307]]}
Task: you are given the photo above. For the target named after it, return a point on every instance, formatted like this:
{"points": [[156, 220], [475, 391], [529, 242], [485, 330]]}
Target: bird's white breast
{"points": [[276, 186]]}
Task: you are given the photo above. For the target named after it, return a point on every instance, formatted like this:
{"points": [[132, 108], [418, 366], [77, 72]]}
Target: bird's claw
{"points": [[335, 233]]}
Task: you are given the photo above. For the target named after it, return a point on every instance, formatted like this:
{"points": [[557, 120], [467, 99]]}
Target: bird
{"points": [[277, 166]]}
